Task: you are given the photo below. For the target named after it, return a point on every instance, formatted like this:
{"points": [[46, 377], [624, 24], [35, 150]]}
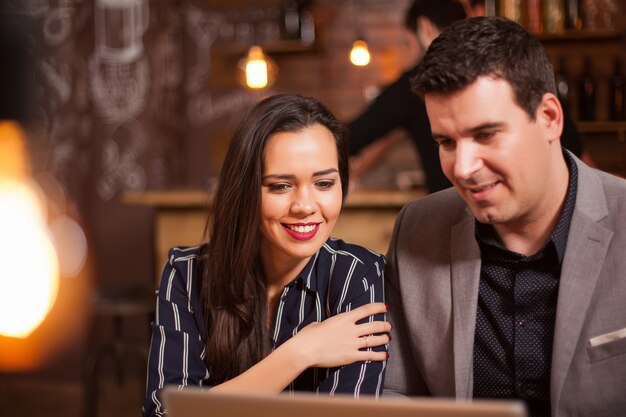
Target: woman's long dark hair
{"points": [[233, 291]]}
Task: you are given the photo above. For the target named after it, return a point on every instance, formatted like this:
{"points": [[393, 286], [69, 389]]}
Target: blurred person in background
{"points": [[398, 107]]}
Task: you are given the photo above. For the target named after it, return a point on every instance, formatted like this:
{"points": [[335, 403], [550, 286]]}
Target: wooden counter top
{"points": [[195, 198], [367, 218]]}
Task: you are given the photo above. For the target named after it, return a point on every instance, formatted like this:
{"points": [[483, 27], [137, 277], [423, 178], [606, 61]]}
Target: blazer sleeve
{"points": [[176, 347], [360, 378], [403, 376]]}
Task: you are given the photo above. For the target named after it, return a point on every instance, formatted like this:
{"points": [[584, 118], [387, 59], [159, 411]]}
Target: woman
{"points": [[271, 301]]}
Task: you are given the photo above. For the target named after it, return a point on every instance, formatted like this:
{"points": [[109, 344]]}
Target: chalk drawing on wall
{"points": [[119, 160], [119, 68], [204, 28]]}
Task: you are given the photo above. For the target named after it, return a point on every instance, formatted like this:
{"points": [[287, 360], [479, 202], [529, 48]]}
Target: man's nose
{"points": [[467, 160]]}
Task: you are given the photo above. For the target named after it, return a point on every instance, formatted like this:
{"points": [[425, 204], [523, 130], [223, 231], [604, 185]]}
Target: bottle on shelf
{"points": [[307, 27], [561, 79], [490, 7], [586, 93], [290, 19], [573, 15], [616, 92], [535, 16], [511, 9], [553, 16]]}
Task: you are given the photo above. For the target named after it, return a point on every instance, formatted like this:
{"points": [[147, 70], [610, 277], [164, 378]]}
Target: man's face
{"points": [[498, 159]]}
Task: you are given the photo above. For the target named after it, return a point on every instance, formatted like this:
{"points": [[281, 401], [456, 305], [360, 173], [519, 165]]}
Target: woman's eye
{"points": [[279, 187], [324, 185]]}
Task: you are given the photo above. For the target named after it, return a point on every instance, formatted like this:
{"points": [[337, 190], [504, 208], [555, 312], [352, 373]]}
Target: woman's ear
{"points": [[550, 116]]}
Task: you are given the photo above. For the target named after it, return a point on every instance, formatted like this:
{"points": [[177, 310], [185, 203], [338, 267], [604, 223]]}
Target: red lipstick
{"points": [[302, 236]]}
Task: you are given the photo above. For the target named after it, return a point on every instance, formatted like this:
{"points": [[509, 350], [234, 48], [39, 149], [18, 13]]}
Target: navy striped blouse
{"points": [[338, 278]]}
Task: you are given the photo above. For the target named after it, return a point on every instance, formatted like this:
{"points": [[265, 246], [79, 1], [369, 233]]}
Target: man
{"points": [[398, 107], [512, 284]]}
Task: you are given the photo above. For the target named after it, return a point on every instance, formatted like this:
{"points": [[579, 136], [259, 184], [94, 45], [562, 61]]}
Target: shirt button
{"points": [[522, 323], [283, 298]]}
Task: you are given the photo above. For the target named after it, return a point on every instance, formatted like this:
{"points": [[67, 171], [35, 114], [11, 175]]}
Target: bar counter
{"points": [[367, 217]]}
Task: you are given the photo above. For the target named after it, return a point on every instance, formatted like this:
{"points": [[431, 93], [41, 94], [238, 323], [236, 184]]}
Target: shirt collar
{"points": [[307, 277], [486, 235]]}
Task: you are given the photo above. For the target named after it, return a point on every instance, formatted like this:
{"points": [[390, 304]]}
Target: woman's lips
{"points": [[302, 231]]}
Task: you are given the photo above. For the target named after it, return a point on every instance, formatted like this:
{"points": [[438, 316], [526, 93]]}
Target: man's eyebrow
{"points": [[486, 126], [472, 130], [437, 136]]}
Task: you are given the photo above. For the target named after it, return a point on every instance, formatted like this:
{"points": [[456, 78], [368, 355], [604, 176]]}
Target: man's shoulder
{"points": [[443, 205]]}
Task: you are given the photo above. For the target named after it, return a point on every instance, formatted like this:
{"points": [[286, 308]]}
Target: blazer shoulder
{"points": [[442, 206]]}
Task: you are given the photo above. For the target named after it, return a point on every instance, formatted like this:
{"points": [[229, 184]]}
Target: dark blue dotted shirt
{"points": [[338, 278], [516, 313]]}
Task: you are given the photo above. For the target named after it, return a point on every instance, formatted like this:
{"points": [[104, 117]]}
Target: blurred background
{"points": [[115, 116]]}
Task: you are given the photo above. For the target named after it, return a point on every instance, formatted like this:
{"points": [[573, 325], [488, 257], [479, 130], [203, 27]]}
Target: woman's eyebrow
{"points": [[291, 176]]}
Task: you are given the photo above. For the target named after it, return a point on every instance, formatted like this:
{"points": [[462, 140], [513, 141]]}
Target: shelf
{"points": [[581, 36], [618, 128], [269, 47]]}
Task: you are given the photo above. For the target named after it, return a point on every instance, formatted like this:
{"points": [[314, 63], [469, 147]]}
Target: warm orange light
{"points": [[360, 53], [30, 277], [30, 274], [259, 69]]}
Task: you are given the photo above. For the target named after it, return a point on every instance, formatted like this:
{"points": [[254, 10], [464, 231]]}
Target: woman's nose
{"points": [[303, 203]]}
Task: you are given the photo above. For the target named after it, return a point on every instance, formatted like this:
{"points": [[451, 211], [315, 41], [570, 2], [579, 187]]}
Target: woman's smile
{"points": [[302, 231]]}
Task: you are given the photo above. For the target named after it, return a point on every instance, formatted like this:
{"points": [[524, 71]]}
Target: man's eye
{"points": [[445, 143], [484, 135]]}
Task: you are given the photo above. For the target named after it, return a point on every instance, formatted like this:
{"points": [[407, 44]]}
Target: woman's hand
{"points": [[339, 341]]}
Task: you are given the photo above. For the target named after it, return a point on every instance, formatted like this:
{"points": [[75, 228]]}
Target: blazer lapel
{"points": [[465, 276], [587, 245]]}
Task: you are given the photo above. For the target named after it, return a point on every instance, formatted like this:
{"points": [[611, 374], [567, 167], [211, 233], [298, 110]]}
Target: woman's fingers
{"points": [[371, 355], [370, 341], [373, 327], [366, 310]]}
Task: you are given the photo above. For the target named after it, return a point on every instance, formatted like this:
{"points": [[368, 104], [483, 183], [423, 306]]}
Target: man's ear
{"points": [[550, 116], [426, 31]]}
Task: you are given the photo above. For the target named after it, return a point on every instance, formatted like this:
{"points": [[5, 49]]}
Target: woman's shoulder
{"points": [[184, 258], [351, 252], [184, 253]]}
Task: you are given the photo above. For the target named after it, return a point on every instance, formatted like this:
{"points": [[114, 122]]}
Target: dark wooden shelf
{"points": [[581, 36], [618, 128], [270, 47]]}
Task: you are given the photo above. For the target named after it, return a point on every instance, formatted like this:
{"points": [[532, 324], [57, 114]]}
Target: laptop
{"points": [[193, 402]]}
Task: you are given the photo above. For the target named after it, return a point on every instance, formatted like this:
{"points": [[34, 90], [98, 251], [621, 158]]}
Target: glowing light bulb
{"points": [[360, 54], [256, 68], [30, 279]]}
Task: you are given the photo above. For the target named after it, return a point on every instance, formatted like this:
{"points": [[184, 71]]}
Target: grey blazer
{"points": [[432, 275]]}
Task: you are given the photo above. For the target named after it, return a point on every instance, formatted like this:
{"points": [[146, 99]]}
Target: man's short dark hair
{"points": [[442, 13], [487, 46]]}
